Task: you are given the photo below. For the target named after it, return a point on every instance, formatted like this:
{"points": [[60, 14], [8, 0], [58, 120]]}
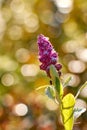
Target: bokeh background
{"points": [[65, 23]]}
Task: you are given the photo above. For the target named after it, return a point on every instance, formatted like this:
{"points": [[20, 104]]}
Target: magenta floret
{"points": [[47, 55]]}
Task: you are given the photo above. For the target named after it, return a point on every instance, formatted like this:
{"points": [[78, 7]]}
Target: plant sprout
{"points": [[55, 90]]}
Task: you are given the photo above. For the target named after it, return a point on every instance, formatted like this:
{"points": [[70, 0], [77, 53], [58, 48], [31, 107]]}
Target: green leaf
{"points": [[78, 112], [53, 73], [56, 81], [50, 92], [67, 110], [83, 86], [67, 81], [42, 87], [59, 87]]}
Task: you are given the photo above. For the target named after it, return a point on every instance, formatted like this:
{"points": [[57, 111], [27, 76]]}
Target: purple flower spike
{"points": [[47, 55]]}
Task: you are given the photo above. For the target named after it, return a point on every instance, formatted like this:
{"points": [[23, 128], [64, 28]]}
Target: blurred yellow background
{"points": [[21, 21]]}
